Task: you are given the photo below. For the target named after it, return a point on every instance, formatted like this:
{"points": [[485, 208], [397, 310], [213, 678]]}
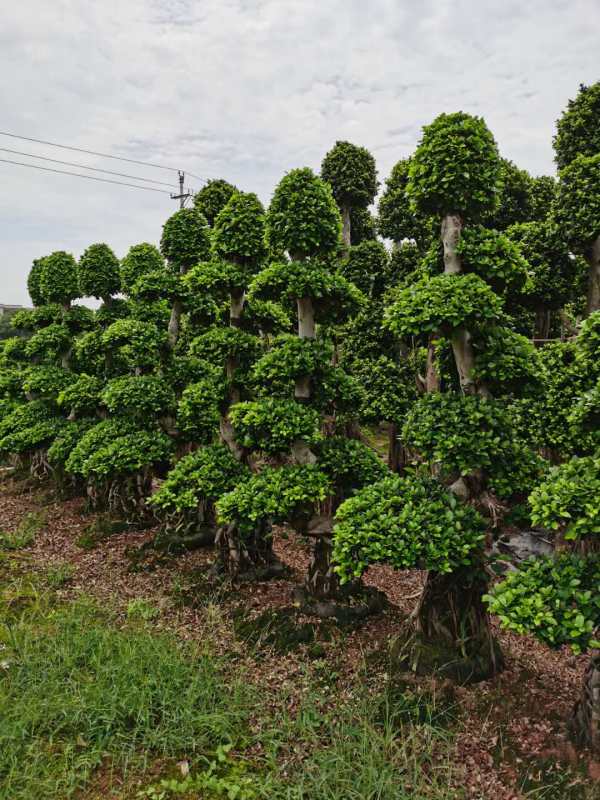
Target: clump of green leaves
{"points": [[273, 425]]}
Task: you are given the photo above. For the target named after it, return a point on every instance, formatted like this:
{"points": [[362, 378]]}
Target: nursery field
{"points": [[309, 505], [124, 670]]}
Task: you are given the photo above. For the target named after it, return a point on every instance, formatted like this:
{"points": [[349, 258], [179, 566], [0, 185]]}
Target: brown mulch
{"points": [[508, 727]]}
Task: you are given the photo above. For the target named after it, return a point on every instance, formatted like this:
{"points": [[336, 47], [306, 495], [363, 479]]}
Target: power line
{"points": [[90, 152], [84, 166], [79, 175]]}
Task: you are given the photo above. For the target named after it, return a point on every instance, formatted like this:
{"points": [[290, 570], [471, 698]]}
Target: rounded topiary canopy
{"points": [[34, 282], [58, 278], [98, 272], [239, 230], [185, 239], [578, 201], [577, 131], [273, 425], [397, 219], [139, 396], [543, 191], [514, 201], [366, 266], [554, 273], [351, 172], [455, 168], [303, 218], [140, 259], [212, 198]]}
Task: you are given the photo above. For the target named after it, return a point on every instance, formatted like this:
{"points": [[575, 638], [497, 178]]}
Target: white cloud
{"points": [[247, 89]]}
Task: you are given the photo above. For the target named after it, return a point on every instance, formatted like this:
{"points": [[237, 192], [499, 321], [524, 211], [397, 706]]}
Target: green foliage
{"points": [[408, 523], [67, 439], [289, 358], [140, 259], [266, 317], [506, 362], [363, 226], [577, 129], [389, 388], [514, 201], [58, 278], [276, 495], [213, 197], [78, 319], [455, 168], [28, 427], [367, 267], [220, 343], [495, 258], [49, 343], [34, 282], [157, 285], [25, 533], [303, 218], [555, 599], [95, 439], [349, 464], [98, 272], [443, 303], [239, 231], [588, 346], [199, 410], [569, 499], [543, 197], [141, 397], [35, 318], [351, 172], [397, 219], [273, 425], [185, 239], [90, 352], [553, 271], [334, 297], [585, 417], [578, 201], [12, 351], [116, 308], [200, 477], [46, 382], [133, 344], [403, 263], [127, 454]]}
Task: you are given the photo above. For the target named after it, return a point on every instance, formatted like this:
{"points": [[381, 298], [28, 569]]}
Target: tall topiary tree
{"points": [[58, 279], [98, 273], [212, 198], [351, 172], [577, 129], [397, 219], [185, 242]]}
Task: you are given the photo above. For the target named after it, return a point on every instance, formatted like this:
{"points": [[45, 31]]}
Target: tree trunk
{"points": [[432, 379], [236, 308], [397, 459], [452, 626], [175, 323], [346, 229], [585, 721], [543, 320], [593, 292], [306, 330], [247, 557], [451, 230]]}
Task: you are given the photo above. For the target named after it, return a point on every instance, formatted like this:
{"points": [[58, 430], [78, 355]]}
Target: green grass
{"points": [[24, 535], [77, 692]]}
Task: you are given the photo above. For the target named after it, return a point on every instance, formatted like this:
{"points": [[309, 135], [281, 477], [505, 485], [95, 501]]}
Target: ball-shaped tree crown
{"points": [[239, 230], [34, 282], [303, 218], [514, 200], [98, 272], [351, 172], [577, 131], [58, 278], [455, 168], [140, 259], [578, 201], [185, 239], [212, 198]]}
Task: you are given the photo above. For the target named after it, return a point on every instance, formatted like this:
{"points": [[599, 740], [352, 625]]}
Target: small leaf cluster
{"points": [[200, 477], [82, 396], [28, 427], [351, 172], [128, 454], [45, 382], [199, 410], [220, 343], [397, 219], [49, 343], [185, 239], [273, 425], [366, 266], [139, 397], [443, 303], [95, 439], [275, 495], [67, 438], [58, 281], [495, 258], [349, 464], [34, 282], [303, 218], [577, 130], [238, 234], [569, 499], [213, 197], [578, 202], [140, 260], [455, 168], [555, 599], [506, 362], [157, 285], [98, 272], [289, 358], [133, 344], [407, 522]]}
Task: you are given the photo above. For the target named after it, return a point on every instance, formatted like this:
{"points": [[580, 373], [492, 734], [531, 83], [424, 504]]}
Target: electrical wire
{"points": [[79, 175], [84, 166]]}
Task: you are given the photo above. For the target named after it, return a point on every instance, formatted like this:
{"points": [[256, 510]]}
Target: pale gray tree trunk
{"points": [[346, 228], [306, 330]]}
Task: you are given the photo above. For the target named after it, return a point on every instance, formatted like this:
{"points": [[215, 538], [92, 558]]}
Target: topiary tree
{"points": [[577, 130], [578, 216], [556, 598], [34, 282], [141, 259], [515, 197], [397, 219], [98, 273], [212, 198], [351, 172], [185, 242], [58, 279], [543, 191]]}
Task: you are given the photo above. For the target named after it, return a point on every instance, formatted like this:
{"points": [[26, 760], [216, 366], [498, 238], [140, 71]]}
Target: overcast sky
{"points": [[248, 89]]}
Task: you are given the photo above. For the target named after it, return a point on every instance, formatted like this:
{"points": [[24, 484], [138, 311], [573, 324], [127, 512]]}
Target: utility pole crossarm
{"points": [[182, 196]]}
